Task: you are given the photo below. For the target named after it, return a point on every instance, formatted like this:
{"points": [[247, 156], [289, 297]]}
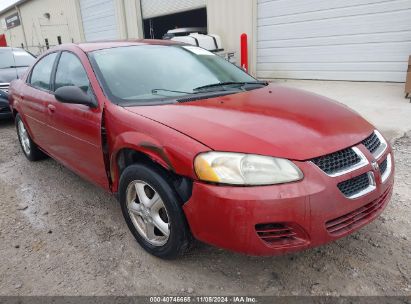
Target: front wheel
{"points": [[153, 211], [30, 149]]}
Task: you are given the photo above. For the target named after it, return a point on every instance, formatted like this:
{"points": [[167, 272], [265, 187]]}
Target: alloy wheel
{"points": [[24, 137], [148, 213]]}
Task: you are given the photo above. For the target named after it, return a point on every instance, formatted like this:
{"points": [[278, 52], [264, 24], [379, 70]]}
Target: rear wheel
{"points": [[153, 211], [30, 149]]}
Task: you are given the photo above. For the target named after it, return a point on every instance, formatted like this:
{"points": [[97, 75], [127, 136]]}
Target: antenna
{"points": [[14, 60]]}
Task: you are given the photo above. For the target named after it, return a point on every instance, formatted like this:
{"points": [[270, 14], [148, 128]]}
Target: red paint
{"points": [[284, 123], [3, 41], [226, 216], [244, 52], [296, 123]]}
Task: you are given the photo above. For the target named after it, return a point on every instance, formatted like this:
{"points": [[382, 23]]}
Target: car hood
{"points": [[7, 75], [274, 120]]}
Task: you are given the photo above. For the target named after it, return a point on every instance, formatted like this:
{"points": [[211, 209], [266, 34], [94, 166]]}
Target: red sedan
{"points": [[194, 147]]}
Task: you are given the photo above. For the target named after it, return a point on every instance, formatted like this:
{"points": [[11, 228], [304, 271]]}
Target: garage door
{"points": [[365, 40], [156, 8], [99, 19]]}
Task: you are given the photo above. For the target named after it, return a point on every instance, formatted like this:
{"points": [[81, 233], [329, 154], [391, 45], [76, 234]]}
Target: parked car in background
{"points": [[13, 64], [195, 147], [198, 36]]}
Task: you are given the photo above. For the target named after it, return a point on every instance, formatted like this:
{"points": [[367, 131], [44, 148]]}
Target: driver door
{"points": [[75, 130]]}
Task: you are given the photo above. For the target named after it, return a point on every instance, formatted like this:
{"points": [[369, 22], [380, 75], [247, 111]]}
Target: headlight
{"points": [[245, 169]]}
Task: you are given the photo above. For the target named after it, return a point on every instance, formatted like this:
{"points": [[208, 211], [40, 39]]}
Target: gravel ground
{"points": [[60, 235]]}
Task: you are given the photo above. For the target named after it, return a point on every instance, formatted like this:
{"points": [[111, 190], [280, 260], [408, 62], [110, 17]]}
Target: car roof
{"points": [[100, 45], [9, 48]]}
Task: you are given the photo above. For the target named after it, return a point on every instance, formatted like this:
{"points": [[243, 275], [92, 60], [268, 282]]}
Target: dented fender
{"points": [[163, 145]]}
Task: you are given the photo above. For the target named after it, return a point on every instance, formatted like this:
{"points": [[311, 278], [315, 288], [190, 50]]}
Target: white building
{"points": [[358, 40]]}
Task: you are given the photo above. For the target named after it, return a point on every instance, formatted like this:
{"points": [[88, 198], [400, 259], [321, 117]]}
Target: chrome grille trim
{"points": [[383, 166], [5, 87], [382, 147], [371, 187], [387, 173], [372, 142], [362, 163]]}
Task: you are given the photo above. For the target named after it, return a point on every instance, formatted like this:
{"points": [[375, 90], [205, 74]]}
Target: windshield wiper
{"points": [[222, 84], [155, 91], [15, 66]]}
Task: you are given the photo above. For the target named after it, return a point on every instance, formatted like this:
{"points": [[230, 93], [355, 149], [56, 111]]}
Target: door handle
{"points": [[51, 108]]}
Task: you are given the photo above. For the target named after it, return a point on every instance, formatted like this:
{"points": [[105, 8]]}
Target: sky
{"points": [[6, 3]]}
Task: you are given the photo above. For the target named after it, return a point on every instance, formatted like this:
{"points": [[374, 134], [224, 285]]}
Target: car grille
{"points": [[278, 234], [338, 161], [355, 185], [358, 217], [4, 87], [383, 166], [4, 109], [372, 143]]}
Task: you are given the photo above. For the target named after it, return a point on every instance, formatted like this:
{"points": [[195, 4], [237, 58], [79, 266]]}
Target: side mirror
{"points": [[74, 95]]}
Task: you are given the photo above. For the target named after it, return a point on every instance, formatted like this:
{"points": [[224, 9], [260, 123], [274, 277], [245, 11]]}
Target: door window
{"points": [[70, 72], [41, 74]]}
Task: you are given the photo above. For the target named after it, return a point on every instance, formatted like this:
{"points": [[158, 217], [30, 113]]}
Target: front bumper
{"points": [[300, 215]]}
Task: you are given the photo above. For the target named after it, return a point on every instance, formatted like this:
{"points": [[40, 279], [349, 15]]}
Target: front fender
{"points": [[140, 143], [171, 155], [172, 150]]}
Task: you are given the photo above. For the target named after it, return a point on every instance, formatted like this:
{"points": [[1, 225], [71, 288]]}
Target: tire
{"points": [[29, 148], [142, 186]]}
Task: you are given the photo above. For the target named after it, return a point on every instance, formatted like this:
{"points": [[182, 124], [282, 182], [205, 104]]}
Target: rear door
{"points": [[75, 130], [37, 94]]}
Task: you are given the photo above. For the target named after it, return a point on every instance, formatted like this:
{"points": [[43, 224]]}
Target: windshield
{"points": [[150, 72], [15, 58]]}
